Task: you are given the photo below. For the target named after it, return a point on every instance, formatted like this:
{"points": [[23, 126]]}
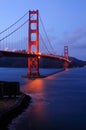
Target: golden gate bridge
{"points": [[23, 39]]}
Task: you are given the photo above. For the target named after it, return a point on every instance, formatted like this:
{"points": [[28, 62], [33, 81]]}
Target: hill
{"points": [[18, 62], [76, 62]]}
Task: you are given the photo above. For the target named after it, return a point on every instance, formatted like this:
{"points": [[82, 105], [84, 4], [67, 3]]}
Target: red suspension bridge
{"points": [[32, 45]]}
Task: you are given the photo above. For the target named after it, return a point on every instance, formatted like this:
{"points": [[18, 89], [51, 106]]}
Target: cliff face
{"points": [[43, 62], [77, 63]]}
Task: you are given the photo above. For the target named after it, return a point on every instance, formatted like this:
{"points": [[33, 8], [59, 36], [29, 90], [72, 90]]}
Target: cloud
{"points": [[75, 40], [76, 36]]}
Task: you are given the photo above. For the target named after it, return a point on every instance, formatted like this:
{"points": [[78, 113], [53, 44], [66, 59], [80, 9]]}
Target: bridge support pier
{"points": [[66, 64], [33, 44], [33, 67]]}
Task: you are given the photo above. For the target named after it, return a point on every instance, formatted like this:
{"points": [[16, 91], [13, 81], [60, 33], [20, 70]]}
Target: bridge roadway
{"points": [[24, 54]]}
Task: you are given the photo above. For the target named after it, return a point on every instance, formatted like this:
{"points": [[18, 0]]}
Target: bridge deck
{"points": [[19, 54]]}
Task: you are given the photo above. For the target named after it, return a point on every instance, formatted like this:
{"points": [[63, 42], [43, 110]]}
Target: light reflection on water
{"points": [[58, 103], [33, 86], [36, 111]]}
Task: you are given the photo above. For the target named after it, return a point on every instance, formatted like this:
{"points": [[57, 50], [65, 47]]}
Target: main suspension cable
{"points": [[13, 31], [46, 34], [44, 43], [14, 23]]}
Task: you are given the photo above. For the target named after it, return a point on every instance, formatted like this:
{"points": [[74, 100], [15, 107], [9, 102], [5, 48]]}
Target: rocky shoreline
{"points": [[16, 106], [20, 104]]}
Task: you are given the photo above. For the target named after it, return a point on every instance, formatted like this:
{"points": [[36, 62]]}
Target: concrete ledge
{"points": [[21, 104], [9, 89]]}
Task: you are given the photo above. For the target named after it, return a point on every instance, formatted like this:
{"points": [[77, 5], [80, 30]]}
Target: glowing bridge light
{"points": [[39, 53], [6, 49]]}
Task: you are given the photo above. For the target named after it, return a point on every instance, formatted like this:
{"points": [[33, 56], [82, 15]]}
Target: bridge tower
{"points": [[66, 64], [33, 44]]}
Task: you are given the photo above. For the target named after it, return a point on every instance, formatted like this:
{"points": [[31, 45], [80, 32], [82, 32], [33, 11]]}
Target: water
{"points": [[18, 74], [58, 102]]}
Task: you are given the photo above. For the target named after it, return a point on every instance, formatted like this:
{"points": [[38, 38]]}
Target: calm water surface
{"points": [[58, 101]]}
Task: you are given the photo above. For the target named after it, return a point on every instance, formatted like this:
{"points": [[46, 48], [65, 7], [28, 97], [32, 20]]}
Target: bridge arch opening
{"points": [[33, 26], [33, 37], [33, 49], [33, 43]]}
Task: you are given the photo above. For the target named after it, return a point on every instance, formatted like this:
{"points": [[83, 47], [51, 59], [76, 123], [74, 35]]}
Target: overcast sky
{"points": [[64, 20]]}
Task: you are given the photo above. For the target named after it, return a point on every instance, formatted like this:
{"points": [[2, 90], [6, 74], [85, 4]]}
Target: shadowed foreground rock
{"points": [[17, 108]]}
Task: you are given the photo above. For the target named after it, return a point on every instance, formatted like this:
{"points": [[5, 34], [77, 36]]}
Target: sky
{"points": [[64, 20]]}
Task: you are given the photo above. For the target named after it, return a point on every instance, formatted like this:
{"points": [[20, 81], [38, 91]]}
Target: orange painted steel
{"points": [[66, 64], [33, 62]]}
